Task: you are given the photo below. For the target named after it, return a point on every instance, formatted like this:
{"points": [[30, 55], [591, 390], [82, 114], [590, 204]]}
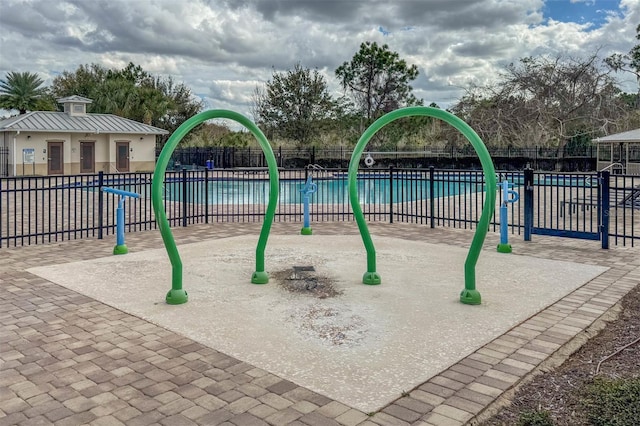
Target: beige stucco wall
{"points": [[143, 156], [38, 142], [142, 151]]}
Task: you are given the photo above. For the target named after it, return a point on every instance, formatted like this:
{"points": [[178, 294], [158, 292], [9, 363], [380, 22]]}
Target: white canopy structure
{"points": [[619, 153]]}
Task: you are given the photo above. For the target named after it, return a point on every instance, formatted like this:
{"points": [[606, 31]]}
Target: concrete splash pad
{"points": [[361, 345]]}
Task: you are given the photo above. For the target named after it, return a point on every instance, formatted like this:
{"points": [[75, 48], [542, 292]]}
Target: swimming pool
{"points": [[330, 191], [373, 188]]}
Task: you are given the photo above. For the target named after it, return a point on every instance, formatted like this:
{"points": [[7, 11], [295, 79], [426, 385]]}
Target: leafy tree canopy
{"points": [[130, 92], [294, 104], [378, 80], [628, 63], [23, 91]]}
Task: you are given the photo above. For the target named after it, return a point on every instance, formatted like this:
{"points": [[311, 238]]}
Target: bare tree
{"points": [[545, 101]]}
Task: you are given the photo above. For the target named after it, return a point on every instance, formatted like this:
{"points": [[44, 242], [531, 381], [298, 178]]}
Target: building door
{"points": [[87, 157], [122, 156], [55, 159]]}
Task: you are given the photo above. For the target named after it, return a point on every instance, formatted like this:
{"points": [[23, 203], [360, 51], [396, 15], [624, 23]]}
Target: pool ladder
{"points": [[316, 167]]}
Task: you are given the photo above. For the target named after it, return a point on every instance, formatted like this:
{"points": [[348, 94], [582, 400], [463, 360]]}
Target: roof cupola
{"points": [[75, 105]]}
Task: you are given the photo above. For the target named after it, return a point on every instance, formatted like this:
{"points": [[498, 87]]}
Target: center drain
{"points": [[304, 279], [303, 272]]}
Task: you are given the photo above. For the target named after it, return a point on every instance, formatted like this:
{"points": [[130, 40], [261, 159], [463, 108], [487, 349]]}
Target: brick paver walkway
{"points": [[67, 359]]}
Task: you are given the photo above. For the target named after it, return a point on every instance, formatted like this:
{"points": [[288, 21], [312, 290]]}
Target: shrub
{"points": [[535, 418], [613, 402]]}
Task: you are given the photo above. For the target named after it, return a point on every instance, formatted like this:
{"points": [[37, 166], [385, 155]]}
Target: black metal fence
{"points": [[230, 157], [36, 210], [4, 161]]}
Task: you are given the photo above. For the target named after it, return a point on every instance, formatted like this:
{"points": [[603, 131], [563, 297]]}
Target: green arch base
{"points": [[504, 248], [469, 295], [260, 277], [371, 278], [177, 295]]}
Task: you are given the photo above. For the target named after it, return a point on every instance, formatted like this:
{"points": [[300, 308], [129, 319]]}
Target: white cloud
{"points": [[223, 48], [234, 91]]}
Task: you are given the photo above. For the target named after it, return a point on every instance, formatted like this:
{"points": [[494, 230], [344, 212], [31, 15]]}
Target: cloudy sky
{"points": [[222, 49]]}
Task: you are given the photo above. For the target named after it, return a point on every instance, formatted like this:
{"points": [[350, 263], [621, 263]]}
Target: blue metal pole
{"points": [[508, 196], [504, 233], [306, 211], [120, 222], [308, 189], [120, 247]]}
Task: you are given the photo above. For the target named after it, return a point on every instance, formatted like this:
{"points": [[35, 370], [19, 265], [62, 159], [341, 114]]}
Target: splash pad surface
{"points": [[315, 323]]}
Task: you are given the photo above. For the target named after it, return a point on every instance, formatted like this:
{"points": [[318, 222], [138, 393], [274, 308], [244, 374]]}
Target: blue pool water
{"points": [[330, 191], [373, 188]]}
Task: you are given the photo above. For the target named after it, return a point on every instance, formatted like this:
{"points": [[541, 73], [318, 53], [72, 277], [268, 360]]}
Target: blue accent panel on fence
{"points": [[567, 234]]}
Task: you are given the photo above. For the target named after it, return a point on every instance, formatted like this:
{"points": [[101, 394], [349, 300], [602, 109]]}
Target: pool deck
{"points": [[67, 359]]}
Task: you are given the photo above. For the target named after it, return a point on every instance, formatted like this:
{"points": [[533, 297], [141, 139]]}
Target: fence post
{"points": [[605, 183], [528, 203], [100, 203], [390, 194], [432, 196], [1, 213], [184, 197], [206, 195]]}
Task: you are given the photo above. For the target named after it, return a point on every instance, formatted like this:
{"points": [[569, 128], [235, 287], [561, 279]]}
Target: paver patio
{"points": [[68, 359]]}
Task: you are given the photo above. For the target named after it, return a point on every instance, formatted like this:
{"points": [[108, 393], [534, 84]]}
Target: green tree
{"points": [[293, 104], [130, 92], [182, 104], [628, 63], [378, 80], [23, 91], [207, 134], [87, 81]]}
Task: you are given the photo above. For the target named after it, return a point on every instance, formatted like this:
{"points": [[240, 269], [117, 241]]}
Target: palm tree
{"points": [[21, 91]]}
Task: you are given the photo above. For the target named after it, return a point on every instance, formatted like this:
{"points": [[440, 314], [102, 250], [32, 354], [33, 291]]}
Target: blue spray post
{"points": [[508, 196], [308, 189], [120, 247]]}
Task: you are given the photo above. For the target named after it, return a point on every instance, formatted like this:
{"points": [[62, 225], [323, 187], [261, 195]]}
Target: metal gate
{"points": [[4, 161], [573, 205]]}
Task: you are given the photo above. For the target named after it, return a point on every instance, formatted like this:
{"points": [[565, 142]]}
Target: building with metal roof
{"points": [[74, 141], [620, 152]]}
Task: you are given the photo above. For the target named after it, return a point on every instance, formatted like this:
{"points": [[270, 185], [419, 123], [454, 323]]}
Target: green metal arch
{"points": [[177, 294], [469, 295]]}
